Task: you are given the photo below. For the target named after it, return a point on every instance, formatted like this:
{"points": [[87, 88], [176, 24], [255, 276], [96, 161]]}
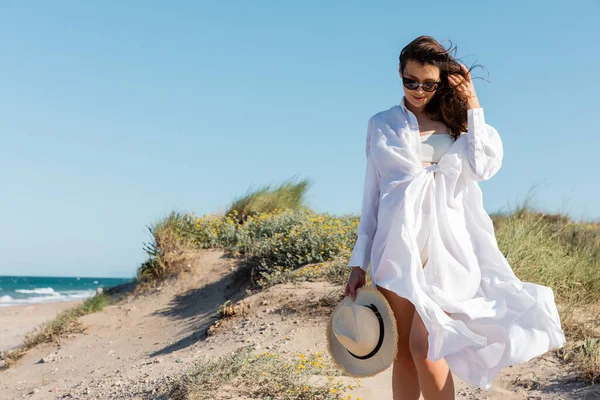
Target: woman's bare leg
{"points": [[435, 378], [405, 379]]}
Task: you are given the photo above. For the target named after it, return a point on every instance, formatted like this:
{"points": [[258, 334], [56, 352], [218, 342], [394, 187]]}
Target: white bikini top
{"points": [[434, 145]]}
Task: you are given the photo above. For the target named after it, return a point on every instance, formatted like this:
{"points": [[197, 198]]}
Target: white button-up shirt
{"points": [[495, 319]]}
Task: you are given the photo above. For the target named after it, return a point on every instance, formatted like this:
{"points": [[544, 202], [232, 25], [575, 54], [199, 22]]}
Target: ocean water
{"points": [[16, 290]]}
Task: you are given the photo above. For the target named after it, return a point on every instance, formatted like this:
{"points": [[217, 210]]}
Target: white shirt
{"points": [[434, 145], [495, 319]]}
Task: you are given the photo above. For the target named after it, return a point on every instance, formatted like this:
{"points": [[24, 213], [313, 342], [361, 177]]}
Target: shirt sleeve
{"points": [[485, 150], [367, 225]]}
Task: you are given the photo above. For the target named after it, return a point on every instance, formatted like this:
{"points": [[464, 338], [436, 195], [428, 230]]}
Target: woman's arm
{"points": [[367, 226], [485, 152], [484, 146]]}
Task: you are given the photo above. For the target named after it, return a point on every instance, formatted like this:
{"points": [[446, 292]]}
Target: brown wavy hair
{"points": [[447, 104]]}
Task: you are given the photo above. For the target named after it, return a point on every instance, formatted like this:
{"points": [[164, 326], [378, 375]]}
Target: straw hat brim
{"points": [[387, 353]]}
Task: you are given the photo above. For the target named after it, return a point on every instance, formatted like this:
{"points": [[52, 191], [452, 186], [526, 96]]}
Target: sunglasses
{"points": [[411, 84]]}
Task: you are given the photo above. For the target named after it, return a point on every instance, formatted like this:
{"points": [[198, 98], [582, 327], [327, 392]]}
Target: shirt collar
{"points": [[410, 116], [403, 104]]}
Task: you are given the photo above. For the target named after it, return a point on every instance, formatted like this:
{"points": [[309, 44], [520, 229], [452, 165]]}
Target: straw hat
{"points": [[361, 335]]}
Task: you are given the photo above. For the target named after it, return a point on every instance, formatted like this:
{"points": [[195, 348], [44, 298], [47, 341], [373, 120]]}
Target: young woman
{"points": [[459, 307]]}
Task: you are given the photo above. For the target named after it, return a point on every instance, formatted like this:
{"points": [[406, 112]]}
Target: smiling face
{"points": [[422, 74]]}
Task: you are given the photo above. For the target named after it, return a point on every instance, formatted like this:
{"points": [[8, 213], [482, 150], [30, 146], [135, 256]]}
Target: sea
{"points": [[17, 290]]}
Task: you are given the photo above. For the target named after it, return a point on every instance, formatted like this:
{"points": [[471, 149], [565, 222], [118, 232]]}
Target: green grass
{"points": [[551, 251], [265, 199], [555, 251]]}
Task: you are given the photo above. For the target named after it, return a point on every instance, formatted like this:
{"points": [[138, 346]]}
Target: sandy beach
{"points": [[16, 321], [132, 348]]}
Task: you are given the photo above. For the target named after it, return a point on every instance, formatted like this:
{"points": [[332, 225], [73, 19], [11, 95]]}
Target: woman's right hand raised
{"points": [[357, 279]]}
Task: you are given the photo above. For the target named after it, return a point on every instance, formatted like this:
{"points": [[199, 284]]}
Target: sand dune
{"points": [[132, 347]]}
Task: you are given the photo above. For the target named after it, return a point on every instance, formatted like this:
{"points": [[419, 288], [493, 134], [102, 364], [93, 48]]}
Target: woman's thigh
{"points": [[403, 312], [419, 337]]}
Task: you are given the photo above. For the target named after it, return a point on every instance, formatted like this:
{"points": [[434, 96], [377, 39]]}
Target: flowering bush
{"points": [[279, 240]]}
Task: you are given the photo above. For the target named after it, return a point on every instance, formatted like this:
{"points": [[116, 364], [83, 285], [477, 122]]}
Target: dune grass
{"points": [[265, 199], [173, 237], [555, 251], [267, 375]]}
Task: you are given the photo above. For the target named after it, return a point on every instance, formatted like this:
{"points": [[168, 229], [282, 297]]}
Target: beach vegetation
{"points": [[172, 241], [267, 375], [555, 251], [264, 199]]}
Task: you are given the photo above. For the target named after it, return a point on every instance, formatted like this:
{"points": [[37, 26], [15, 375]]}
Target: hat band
{"points": [[381, 334]]}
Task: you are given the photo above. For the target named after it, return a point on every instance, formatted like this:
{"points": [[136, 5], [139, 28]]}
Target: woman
{"points": [[459, 307]]}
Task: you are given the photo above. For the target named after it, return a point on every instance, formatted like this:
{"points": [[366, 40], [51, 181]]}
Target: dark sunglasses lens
{"points": [[410, 84], [429, 86]]}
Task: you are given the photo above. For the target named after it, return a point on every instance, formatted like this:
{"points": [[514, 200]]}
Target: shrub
{"points": [[172, 240]]}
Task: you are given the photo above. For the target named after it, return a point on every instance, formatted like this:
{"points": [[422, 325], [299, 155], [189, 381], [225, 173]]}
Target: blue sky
{"points": [[114, 113]]}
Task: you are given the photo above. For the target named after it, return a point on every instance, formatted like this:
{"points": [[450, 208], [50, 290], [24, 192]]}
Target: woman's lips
{"points": [[418, 98]]}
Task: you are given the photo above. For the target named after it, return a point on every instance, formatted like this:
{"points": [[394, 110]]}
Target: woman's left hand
{"points": [[465, 86]]}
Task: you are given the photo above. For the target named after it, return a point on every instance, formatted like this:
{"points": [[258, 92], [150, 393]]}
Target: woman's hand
{"points": [[356, 280], [465, 87]]}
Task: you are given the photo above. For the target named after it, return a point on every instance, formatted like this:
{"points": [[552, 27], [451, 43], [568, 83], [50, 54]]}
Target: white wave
{"points": [[9, 301], [6, 301], [79, 294], [38, 291]]}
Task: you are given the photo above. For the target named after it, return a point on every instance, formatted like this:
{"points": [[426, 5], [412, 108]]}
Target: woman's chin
{"points": [[416, 102]]}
